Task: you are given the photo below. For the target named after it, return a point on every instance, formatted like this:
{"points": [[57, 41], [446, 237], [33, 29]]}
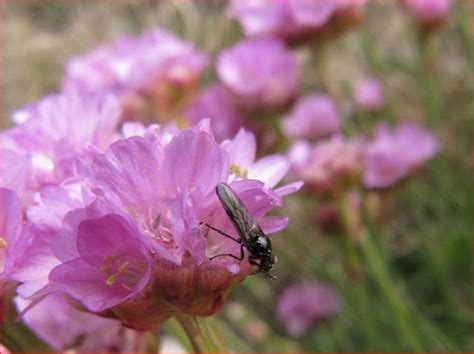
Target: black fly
{"points": [[251, 235]]}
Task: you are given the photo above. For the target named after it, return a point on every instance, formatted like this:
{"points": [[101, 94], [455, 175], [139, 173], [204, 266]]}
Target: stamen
{"points": [[112, 279], [105, 270], [3, 243], [238, 171], [110, 258], [123, 267]]}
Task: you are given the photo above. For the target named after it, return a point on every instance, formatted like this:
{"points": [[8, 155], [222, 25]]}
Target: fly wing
{"points": [[236, 210]]}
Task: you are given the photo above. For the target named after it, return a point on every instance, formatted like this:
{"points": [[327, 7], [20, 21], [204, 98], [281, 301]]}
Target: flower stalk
{"points": [[354, 223], [202, 333]]}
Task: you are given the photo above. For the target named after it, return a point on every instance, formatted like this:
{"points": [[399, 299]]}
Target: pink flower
{"points": [[149, 72], [313, 116], [261, 73], [61, 326], [369, 95], [300, 305], [327, 167], [11, 219], [393, 154], [282, 18], [55, 131], [127, 242], [215, 103], [297, 21], [428, 12]]}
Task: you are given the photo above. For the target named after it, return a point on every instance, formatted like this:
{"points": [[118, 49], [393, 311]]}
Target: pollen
{"points": [[112, 279], [105, 270], [110, 259], [3, 243], [123, 267], [238, 171]]}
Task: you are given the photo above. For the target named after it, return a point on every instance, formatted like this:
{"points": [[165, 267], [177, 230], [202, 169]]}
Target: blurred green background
{"points": [[426, 244]]}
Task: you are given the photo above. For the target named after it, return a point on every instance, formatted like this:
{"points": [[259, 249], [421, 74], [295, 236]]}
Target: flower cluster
{"points": [[340, 164], [295, 20], [428, 13], [261, 73], [123, 238], [148, 72], [300, 305], [109, 219], [50, 134]]}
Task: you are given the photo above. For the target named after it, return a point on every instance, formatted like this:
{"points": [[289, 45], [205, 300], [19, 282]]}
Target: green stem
{"points": [[18, 338], [203, 335], [427, 77], [355, 223], [320, 58], [352, 225], [384, 281]]}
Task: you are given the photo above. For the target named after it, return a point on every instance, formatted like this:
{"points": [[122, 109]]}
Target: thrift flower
{"points": [[61, 326], [288, 20], [55, 131], [11, 218], [369, 95], [313, 116], [300, 305], [429, 13], [328, 167], [215, 103], [297, 21], [131, 244], [151, 73], [348, 14], [392, 155], [261, 73]]}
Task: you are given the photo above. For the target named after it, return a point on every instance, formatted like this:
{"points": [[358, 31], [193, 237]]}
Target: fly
{"points": [[251, 235]]}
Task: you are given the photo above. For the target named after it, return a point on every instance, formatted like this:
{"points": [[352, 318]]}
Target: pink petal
{"points": [[270, 170]]}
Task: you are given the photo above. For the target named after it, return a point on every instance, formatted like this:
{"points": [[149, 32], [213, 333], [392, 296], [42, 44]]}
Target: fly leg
{"points": [[231, 255], [220, 232]]}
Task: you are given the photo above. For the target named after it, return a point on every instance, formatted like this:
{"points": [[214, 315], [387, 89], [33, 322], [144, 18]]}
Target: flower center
{"points": [[238, 171], [125, 272], [3, 243]]}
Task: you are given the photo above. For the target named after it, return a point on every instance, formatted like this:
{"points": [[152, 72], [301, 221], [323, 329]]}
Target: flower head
{"points": [[150, 72], [393, 154], [132, 245], [431, 13], [313, 116], [261, 73], [300, 305], [11, 218], [327, 167], [369, 95], [282, 18], [297, 21], [42, 150], [62, 326], [215, 103]]}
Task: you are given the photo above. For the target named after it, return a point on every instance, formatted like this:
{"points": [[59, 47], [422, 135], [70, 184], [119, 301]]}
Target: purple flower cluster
{"points": [[313, 116], [429, 13], [261, 73], [341, 164], [148, 72], [50, 135], [122, 236], [300, 305], [294, 20], [369, 95], [392, 155]]}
